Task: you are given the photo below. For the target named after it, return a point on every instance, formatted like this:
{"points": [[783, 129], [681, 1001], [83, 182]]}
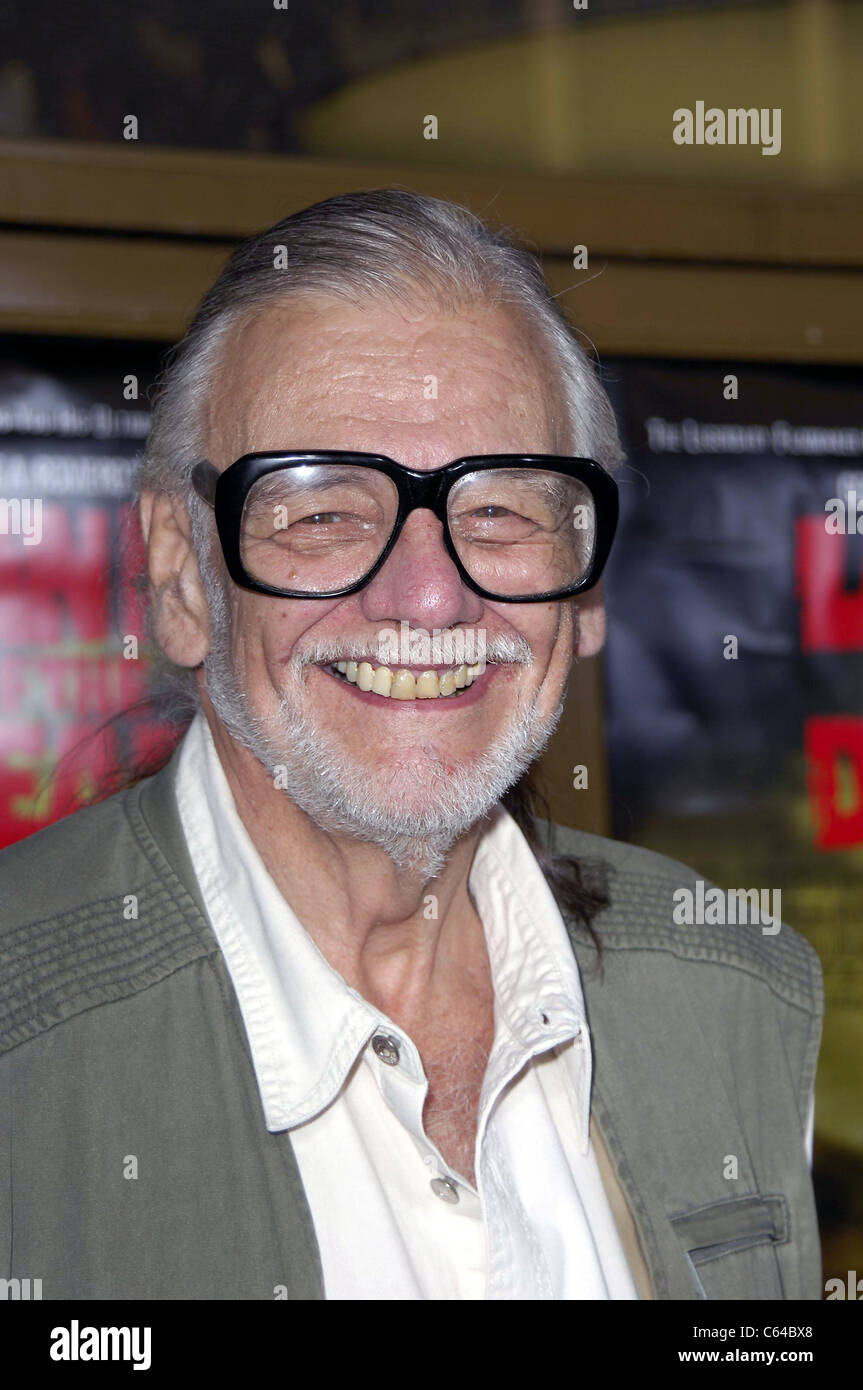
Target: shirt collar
{"points": [[533, 966], [305, 1024]]}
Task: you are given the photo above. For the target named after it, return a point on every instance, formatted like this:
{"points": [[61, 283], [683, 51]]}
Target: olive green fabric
{"points": [[134, 1158]]}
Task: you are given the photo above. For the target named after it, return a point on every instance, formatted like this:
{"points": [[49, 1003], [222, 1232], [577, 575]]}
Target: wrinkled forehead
{"points": [[326, 373]]}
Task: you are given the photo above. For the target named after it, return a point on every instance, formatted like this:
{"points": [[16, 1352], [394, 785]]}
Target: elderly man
{"points": [[309, 1013]]}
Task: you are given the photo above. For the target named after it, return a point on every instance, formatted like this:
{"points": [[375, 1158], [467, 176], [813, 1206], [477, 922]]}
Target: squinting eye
{"points": [[319, 517]]}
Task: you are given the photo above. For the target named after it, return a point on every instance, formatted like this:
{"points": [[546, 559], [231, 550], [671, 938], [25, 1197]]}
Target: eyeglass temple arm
{"points": [[204, 479]]}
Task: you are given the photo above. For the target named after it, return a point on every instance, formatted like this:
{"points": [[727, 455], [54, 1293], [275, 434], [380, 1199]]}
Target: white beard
{"points": [[414, 809]]}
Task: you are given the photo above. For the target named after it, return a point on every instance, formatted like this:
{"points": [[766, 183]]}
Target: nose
{"points": [[419, 583]]}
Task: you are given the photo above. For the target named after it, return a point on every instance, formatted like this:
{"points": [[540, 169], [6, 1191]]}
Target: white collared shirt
{"points": [[392, 1220]]}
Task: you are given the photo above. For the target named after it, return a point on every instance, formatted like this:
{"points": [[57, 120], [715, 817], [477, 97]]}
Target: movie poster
{"points": [[734, 678], [73, 652]]}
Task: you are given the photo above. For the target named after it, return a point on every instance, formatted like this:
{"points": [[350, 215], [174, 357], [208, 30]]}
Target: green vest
{"points": [[134, 1158]]}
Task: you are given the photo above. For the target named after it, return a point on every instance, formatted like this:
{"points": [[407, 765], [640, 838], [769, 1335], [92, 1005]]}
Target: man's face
{"points": [[423, 388]]}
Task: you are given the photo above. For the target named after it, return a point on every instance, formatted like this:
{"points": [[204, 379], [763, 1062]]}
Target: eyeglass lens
{"points": [[320, 528]]}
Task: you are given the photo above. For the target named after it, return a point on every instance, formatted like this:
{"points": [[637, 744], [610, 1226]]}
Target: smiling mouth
{"points": [[402, 684]]}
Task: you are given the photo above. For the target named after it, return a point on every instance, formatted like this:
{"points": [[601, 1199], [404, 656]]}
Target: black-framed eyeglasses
{"points": [[520, 528]]}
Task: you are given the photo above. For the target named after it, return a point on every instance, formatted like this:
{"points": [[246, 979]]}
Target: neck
{"points": [[409, 944]]}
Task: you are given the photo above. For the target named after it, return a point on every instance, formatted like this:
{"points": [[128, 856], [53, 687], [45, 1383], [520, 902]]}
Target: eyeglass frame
{"points": [[226, 494]]}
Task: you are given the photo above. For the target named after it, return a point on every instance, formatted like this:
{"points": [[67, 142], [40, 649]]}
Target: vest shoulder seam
{"points": [[58, 966], [79, 1009], [639, 917], [726, 960]]}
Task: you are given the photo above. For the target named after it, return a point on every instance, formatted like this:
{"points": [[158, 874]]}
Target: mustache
{"points": [[501, 649]]}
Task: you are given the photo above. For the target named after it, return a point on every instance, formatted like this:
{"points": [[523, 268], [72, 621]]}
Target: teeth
{"points": [[382, 681], [403, 685], [428, 686]]}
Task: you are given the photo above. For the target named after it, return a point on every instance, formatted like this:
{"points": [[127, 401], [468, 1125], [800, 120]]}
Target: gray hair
{"points": [[385, 244]]}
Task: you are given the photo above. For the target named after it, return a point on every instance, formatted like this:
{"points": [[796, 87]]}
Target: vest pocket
{"points": [[730, 1247]]}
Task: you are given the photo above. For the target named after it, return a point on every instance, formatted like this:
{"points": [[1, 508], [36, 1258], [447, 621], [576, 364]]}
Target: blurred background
{"points": [[718, 286]]}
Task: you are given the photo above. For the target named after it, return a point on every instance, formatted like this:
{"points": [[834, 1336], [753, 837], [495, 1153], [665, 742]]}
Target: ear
{"points": [[590, 626], [179, 603]]}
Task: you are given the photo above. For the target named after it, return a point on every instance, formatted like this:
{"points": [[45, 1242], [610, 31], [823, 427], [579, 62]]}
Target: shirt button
{"points": [[387, 1049], [443, 1188]]}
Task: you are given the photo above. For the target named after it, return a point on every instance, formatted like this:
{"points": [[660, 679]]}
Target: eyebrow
{"points": [[556, 487], [333, 475]]}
